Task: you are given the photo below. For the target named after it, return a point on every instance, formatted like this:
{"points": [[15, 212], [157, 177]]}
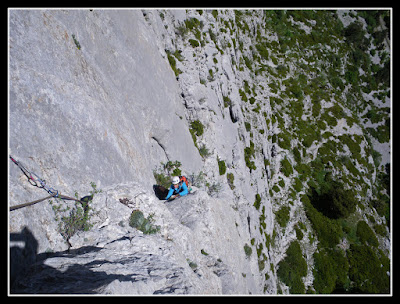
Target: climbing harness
{"points": [[36, 181]]}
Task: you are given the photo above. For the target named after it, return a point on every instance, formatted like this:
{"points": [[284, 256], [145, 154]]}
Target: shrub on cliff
{"points": [[366, 235], [221, 167], [330, 271], [332, 200], [249, 152], [172, 62], [292, 268], [286, 167], [163, 174], [367, 271], [138, 221], [194, 43], [197, 127], [328, 230]]}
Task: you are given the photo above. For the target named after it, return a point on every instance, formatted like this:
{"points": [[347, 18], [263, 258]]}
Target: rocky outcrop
{"points": [[105, 112], [198, 250], [108, 112], [99, 99]]}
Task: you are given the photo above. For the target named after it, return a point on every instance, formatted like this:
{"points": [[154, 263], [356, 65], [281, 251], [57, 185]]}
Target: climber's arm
{"points": [[169, 193], [184, 191]]}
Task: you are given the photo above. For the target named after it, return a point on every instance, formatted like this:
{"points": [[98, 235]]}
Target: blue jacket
{"points": [[182, 190]]}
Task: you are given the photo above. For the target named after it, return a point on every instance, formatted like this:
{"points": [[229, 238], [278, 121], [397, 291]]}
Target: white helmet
{"points": [[175, 180]]}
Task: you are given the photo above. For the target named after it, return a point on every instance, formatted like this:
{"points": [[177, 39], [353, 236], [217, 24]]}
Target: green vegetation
{"points": [[368, 270], [249, 153], [366, 235], [76, 219], [194, 43], [247, 250], [382, 203], [257, 202], [230, 178], [172, 63], [318, 82], [306, 94], [227, 101], [328, 230], [262, 50], [192, 23], [360, 270], [221, 167], [77, 44], [332, 200], [286, 167], [138, 221], [197, 129], [292, 268], [282, 216], [204, 152], [192, 264], [331, 214], [330, 271], [355, 34], [164, 173]]}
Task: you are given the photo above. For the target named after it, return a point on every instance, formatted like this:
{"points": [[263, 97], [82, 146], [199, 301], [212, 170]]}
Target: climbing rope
{"points": [[12, 208], [36, 181]]}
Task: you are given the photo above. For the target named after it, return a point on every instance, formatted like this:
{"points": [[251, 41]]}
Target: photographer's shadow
{"points": [[30, 275]]}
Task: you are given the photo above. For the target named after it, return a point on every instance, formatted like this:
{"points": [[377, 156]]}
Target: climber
{"points": [[177, 189]]}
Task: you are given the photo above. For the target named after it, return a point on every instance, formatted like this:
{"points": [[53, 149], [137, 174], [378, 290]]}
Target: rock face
{"points": [[100, 99], [108, 112], [112, 107], [197, 250]]}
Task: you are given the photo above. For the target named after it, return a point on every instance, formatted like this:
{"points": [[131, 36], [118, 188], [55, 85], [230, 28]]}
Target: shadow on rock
{"points": [[160, 191], [30, 275]]}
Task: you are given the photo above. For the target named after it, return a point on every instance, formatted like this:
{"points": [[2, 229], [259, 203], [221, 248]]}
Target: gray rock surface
{"points": [[111, 107], [195, 252], [95, 105], [108, 112]]}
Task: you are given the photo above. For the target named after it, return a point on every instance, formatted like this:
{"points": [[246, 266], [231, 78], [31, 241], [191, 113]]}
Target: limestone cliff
{"points": [[262, 113]]}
